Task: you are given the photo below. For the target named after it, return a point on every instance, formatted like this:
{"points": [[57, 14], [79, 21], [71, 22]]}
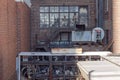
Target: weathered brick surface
{"points": [[8, 37], [23, 17], [116, 26], [0, 64]]}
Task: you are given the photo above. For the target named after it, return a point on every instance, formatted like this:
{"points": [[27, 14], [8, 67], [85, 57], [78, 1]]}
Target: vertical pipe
{"points": [[107, 5], [96, 13], [19, 73], [100, 14], [116, 26]]}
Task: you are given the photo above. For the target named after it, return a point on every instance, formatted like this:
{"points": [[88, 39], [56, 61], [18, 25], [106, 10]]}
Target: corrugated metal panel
{"points": [[81, 35]]}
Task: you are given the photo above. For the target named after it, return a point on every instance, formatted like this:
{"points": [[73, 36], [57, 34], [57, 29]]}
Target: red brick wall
{"points": [[9, 36], [23, 17], [0, 64]]}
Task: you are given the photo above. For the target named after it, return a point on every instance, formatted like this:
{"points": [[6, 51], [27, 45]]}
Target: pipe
{"points": [[96, 13], [107, 5], [100, 13]]}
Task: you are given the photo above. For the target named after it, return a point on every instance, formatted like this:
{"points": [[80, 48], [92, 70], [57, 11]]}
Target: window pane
{"points": [[44, 20], [74, 9], [84, 16], [41, 18], [41, 9], [54, 20], [73, 19], [44, 9], [63, 19], [54, 9], [63, 9]]}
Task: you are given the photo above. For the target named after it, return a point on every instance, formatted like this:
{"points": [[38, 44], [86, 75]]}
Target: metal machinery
{"points": [[52, 66]]}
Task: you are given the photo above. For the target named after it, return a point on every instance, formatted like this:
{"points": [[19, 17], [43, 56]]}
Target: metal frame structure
{"points": [[51, 66]]}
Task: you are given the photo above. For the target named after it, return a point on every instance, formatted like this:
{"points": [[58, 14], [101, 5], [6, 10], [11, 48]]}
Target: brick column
{"points": [[116, 26]]}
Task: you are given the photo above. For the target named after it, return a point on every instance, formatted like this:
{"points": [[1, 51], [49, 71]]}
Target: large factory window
{"points": [[63, 16]]}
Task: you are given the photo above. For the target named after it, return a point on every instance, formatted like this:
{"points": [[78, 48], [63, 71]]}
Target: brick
{"points": [[9, 36], [23, 17], [116, 26]]}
